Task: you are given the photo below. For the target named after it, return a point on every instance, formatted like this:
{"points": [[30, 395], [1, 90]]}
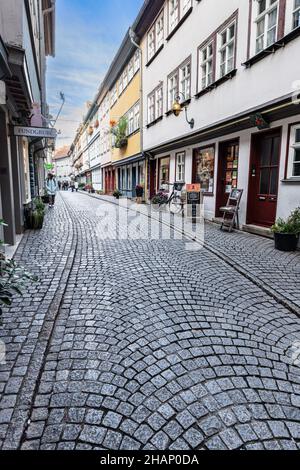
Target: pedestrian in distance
{"points": [[59, 185], [51, 188], [76, 186], [72, 186]]}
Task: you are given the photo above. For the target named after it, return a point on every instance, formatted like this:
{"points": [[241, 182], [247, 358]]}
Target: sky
{"points": [[88, 34]]}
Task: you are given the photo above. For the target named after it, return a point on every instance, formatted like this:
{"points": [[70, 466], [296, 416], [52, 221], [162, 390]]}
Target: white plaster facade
{"points": [[263, 84]]}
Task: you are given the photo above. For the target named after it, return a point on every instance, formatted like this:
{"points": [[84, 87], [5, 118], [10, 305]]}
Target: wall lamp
{"points": [[177, 108]]}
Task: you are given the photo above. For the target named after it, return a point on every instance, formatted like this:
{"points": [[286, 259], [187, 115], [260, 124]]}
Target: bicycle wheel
{"points": [[176, 205]]}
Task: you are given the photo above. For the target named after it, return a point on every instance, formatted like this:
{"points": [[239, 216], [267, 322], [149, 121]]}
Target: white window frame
{"points": [[173, 80], [185, 79], [130, 70], [292, 153], [159, 103], [173, 14], [160, 30], [151, 107], [206, 66], [114, 95], [136, 119], [130, 124], [180, 167], [136, 61], [185, 6], [265, 16], [296, 13], [227, 64], [151, 42]]}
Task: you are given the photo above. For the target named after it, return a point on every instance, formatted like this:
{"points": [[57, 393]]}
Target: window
{"points": [[204, 168], [160, 31], [173, 14], [151, 43], [159, 102], [185, 79], [206, 65], [266, 23], [294, 154], [125, 78], [172, 89], [151, 108], [114, 95], [164, 172], [156, 36], [130, 70], [186, 5], [155, 104], [180, 167], [136, 61], [130, 127], [296, 14], [136, 123], [227, 50]]}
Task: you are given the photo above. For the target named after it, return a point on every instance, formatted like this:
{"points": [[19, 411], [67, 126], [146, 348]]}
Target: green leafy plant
{"points": [[160, 198], [13, 278], [120, 133], [39, 205], [117, 194], [290, 226]]}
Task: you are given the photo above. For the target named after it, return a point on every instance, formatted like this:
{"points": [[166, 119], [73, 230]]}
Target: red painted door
{"points": [[227, 173], [264, 178]]}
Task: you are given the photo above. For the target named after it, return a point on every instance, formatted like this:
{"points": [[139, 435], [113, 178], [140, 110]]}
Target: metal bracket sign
{"points": [[43, 132]]}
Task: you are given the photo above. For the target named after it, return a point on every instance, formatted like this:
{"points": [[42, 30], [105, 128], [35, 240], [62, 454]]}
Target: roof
{"points": [[62, 152]]}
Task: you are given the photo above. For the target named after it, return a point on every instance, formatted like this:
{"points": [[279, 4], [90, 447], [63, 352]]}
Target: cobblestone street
{"points": [[142, 344]]}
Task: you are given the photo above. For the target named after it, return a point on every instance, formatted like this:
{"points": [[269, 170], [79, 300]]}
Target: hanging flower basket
{"points": [[96, 125]]}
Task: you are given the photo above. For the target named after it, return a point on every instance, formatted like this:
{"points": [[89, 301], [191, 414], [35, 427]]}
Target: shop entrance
{"points": [[264, 178], [227, 173]]}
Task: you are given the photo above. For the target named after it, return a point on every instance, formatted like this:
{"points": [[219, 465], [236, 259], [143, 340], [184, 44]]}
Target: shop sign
{"points": [[42, 132]]}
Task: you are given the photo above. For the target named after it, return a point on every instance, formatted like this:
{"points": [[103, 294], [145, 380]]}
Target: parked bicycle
{"points": [[172, 201]]}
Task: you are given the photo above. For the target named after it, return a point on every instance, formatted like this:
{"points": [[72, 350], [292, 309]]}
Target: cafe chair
{"points": [[231, 211]]}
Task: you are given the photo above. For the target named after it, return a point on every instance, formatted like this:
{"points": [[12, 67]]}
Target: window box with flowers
{"points": [[119, 132]]}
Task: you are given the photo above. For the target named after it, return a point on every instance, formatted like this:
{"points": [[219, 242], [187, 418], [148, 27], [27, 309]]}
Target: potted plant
{"points": [[160, 198], [120, 133], [286, 232], [12, 278], [117, 194], [38, 214], [139, 189]]}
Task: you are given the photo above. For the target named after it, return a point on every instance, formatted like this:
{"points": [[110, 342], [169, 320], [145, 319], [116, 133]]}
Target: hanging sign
{"points": [[43, 132], [49, 166]]}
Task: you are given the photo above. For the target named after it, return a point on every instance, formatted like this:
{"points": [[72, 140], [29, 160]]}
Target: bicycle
{"points": [[173, 201]]}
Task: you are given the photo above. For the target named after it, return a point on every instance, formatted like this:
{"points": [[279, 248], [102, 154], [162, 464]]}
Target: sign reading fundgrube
{"points": [[42, 132]]}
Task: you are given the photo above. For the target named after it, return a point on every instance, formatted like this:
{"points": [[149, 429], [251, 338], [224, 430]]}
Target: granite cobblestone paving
{"points": [[141, 344]]}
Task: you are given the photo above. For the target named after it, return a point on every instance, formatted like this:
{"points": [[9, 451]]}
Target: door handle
{"points": [[261, 198]]}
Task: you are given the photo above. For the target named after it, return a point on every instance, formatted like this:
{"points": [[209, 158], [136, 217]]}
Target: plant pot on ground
{"points": [[139, 191], [117, 194], [286, 232]]}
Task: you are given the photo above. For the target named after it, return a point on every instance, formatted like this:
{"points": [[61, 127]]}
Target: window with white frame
{"points": [[159, 102], [185, 6], [180, 167], [151, 107], [130, 125], [121, 87], [227, 49], [130, 70], [173, 14], [294, 154], [136, 61], [125, 78], [172, 89], [296, 14], [159, 31], [151, 43], [136, 122], [114, 95], [185, 79], [206, 59], [155, 104], [266, 23]]}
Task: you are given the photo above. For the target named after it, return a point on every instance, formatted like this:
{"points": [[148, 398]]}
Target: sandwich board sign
{"points": [[42, 132]]}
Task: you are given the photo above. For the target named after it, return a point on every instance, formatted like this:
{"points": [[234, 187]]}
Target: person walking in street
{"points": [[59, 185], [72, 186], [51, 187], [76, 186]]}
